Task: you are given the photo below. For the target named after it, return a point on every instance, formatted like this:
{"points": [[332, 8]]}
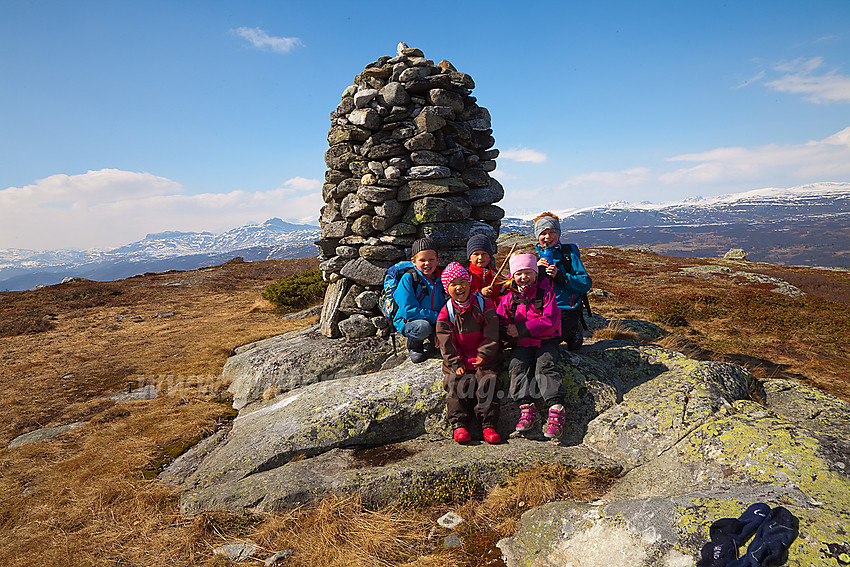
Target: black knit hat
{"points": [[422, 244], [479, 242]]}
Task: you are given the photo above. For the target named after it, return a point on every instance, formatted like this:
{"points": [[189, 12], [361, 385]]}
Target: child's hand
{"points": [[551, 270], [460, 371], [512, 331], [478, 362], [487, 291], [542, 263]]}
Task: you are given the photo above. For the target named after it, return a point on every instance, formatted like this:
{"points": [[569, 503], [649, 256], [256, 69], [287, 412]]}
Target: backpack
{"points": [[394, 273], [584, 300], [451, 310]]}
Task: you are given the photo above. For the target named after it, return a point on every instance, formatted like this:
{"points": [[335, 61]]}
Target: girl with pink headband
{"points": [[531, 322]]}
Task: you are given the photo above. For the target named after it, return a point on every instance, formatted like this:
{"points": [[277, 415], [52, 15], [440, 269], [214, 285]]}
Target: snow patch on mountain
{"points": [[272, 239]]}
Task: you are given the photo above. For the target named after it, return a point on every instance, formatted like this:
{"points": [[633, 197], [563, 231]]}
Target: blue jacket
{"points": [[572, 280], [425, 303]]}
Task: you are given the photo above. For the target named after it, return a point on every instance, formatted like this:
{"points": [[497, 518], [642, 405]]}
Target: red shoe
{"points": [[491, 436], [462, 435]]}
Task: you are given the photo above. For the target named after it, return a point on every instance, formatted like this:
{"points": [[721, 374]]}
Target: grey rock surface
{"points": [[44, 434], [689, 444], [285, 362]]}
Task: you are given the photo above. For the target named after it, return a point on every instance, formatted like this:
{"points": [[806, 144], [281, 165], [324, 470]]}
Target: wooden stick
{"points": [[502, 267]]}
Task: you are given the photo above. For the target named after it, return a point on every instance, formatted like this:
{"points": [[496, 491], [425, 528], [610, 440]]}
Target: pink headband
{"points": [[452, 271], [523, 262]]}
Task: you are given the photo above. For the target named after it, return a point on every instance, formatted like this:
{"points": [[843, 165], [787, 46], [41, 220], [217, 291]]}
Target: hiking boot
{"points": [[555, 424], [575, 341], [416, 349], [461, 435], [490, 436], [527, 417]]}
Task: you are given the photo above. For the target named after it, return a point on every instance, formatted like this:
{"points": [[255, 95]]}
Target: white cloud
{"points": [[817, 160], [754, 79], [108, 208], [503, 175], [105, 185], [799, 78], [262, 40], [625, 178], [713, 172], [523, 154], [303, 184]]}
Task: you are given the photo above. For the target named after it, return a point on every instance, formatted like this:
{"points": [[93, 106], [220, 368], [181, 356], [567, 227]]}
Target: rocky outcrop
{"points": [[410, 155], [305, 443], [659, 512], [279, 364], [688, 440]]}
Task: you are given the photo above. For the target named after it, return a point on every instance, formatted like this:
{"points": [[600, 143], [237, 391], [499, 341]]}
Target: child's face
{"points": [[459, 289], [524, 277], [548, 238], [480, 259], [425, 262]]}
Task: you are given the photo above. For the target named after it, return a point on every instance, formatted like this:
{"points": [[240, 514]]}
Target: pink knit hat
{"points": [[452, 271], [523, 262]]}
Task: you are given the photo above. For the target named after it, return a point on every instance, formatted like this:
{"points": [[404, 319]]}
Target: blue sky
{"points": [[122, 118]]}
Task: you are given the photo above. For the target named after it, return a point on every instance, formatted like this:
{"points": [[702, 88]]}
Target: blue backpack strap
{"points": [[451, 310]]}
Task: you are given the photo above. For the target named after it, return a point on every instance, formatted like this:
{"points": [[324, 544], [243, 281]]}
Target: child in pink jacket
{"points": [[530, 317]]}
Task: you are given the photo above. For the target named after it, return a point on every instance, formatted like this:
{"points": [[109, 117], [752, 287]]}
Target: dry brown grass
{"points": [[82, 499], [729, 319], [616, 331]]}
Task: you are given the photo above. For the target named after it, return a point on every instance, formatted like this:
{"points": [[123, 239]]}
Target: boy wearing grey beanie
{"points": [[570, 280]]}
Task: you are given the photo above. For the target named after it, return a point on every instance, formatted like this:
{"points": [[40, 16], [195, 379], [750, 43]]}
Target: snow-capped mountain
{"points": [[758, 206], [273, 239], [774, 225]]}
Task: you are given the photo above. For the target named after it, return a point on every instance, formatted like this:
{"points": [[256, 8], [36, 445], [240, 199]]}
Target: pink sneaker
{"points": [[555, 424], [527, 417]]}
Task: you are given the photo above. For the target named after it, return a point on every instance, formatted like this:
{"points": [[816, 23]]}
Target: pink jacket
{"points": [[536, 315]]}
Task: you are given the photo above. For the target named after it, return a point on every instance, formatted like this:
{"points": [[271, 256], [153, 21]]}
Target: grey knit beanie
{"points": [[422, 244], [543, 223]]}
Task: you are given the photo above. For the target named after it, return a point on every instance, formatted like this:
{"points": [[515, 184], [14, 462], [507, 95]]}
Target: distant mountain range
{"points": [[272, 240], [807, 225], [761, 205]]}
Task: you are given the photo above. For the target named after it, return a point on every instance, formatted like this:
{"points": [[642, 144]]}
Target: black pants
{"points": [[572, 330], [534, 374]]}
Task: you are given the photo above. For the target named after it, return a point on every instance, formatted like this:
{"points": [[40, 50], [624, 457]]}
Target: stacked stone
{"points": [[410, 155]]}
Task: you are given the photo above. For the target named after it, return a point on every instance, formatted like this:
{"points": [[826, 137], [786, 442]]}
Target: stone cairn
{"points": [[409, 158]]}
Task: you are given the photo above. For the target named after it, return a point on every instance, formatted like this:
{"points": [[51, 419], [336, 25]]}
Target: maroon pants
{"points": [[472, 396]]}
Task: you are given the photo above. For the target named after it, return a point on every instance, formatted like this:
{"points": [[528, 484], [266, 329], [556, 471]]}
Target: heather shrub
{"points": [[296, 291]]}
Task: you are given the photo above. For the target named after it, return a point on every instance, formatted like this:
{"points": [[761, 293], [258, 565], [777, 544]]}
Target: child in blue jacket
{"points": [[562, 263], [419, 297]]}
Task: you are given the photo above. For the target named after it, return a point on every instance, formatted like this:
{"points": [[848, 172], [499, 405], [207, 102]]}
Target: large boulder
{"points": [[691, 444], [366, 411], [273, 366], [658, 514], [639, 428], [393, 405]]}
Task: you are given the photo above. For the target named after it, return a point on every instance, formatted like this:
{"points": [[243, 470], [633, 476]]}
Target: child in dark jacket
{"points": [[419, 297], [529, 316], [479, 252], [562, 263], [468, 334]]}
